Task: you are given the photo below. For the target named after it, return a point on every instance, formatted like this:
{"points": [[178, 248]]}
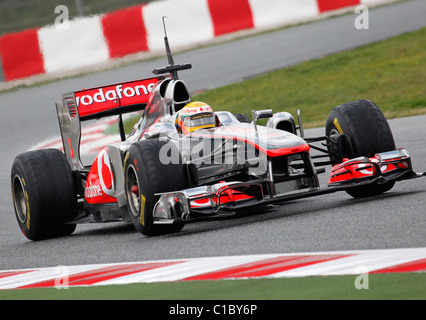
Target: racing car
{"points": [[182, 162]]}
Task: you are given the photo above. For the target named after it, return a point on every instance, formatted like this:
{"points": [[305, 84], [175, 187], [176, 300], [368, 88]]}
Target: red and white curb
{"points": [[220, 268], [99, 39]]}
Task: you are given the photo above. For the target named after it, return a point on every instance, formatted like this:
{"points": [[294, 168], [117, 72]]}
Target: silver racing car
{"points": [[183, 162]]}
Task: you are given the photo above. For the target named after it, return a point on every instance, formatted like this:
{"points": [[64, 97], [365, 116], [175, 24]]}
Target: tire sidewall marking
{"points": [[142, 210]]}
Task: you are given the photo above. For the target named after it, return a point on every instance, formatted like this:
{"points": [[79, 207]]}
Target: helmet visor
{"points": [[200, 119]]}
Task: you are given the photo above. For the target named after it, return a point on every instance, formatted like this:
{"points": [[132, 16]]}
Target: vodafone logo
{"points": [[102, 95], [106, 179], [96, 100]]}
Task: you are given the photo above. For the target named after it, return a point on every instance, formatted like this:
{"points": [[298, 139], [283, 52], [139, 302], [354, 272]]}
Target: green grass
{"points": [[391, 73], [380, 286]]}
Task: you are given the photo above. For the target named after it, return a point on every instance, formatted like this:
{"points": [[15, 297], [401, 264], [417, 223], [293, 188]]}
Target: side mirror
{"points": [[260, 114]]}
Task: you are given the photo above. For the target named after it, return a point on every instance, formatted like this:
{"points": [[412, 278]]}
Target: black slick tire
{"points": [[44, 194], [144, 176], [369, 132]]}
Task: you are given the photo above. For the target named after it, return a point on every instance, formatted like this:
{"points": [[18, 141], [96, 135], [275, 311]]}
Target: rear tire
{"points": [[144, 176], [366, 126], [44, 194]]}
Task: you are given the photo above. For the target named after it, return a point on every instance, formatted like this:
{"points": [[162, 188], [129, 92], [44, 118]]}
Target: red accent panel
{"points": [[125, 32], [283, 151], [413, 266], [266, 267], [102, 274], [94, 193], [328, 5], [230, 16], [21, 55]]}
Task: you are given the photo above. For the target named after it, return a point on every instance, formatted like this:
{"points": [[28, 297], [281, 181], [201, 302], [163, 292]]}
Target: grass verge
{"points": [[396, 286], [391, 73]]}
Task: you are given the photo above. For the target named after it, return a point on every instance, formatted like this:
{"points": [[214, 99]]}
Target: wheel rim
{"points": [[333, 131], [19, 199], [132, 190]]}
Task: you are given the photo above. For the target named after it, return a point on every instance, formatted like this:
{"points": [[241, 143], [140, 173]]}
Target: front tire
{"points": [[44, 194], [144, 176], [366, 126]]}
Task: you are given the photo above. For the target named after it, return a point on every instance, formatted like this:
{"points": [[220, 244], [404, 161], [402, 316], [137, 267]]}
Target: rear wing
{"points": [[114, 99], [96, 103]]}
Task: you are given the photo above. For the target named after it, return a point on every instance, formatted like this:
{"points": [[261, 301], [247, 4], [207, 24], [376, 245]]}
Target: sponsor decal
{"points": [[196, 110], [100, 181], [28, 210], [142, 216], [337, 124], [119, 92], [106, 178], [92, 191], [104, 98]]}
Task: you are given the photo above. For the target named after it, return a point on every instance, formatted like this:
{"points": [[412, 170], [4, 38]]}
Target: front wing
{"points": [[200, 202]]}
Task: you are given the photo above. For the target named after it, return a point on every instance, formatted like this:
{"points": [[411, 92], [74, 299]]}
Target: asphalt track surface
{"points": [[330, 222]]}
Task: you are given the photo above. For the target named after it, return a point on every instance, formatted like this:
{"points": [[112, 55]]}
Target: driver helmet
{"points": [[194, 116]]}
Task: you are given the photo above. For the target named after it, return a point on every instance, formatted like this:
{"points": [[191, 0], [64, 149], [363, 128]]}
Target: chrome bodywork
{"points": [[266, 164]]}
